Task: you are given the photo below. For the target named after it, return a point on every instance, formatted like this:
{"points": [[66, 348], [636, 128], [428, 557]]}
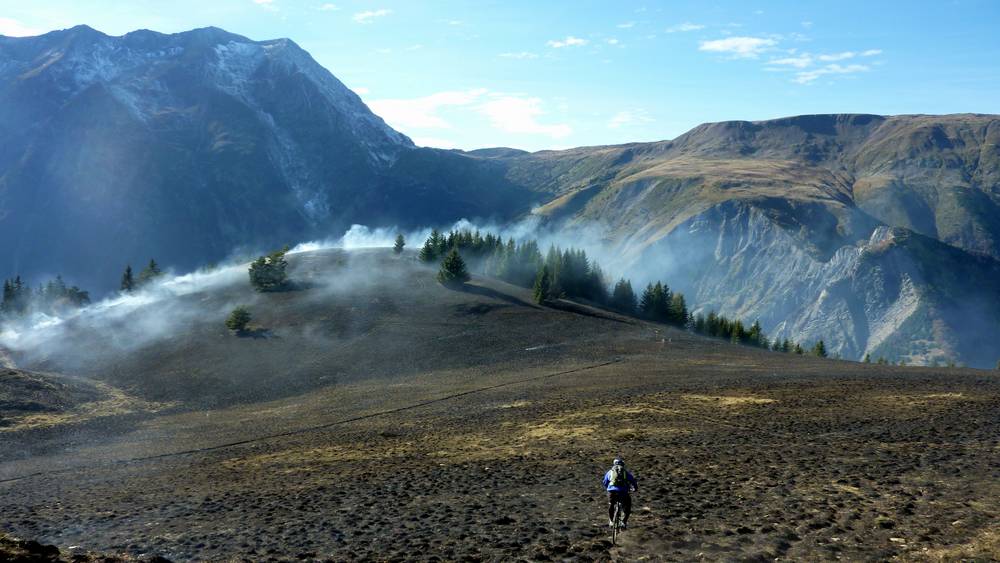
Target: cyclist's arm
{"points": [[634, 482]]}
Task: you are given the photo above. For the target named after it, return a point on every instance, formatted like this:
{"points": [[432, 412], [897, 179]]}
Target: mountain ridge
{"points": [[186, 146]]}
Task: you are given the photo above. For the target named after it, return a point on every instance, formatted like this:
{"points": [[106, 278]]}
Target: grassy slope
{"points": [[433, 423]]}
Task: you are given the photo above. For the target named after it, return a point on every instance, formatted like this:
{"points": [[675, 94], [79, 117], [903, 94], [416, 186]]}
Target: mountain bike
{"points": [[619, 515]]}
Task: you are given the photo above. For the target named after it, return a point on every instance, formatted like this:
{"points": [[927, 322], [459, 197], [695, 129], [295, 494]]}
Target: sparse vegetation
{"points": [[238, 319], [399, 244], [269, 273]]}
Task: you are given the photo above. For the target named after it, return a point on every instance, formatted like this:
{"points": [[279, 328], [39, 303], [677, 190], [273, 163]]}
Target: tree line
{"points": [[55, 295], [571, 273]]}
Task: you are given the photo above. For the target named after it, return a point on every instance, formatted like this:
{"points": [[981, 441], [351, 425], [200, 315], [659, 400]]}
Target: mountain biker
{"points": [[618, 481]]}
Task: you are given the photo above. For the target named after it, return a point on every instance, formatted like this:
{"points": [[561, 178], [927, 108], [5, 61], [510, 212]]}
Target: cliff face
{"points": [[850, 228]]}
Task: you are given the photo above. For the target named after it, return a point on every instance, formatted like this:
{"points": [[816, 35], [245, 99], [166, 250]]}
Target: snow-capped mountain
{"points": [[185, 146]]}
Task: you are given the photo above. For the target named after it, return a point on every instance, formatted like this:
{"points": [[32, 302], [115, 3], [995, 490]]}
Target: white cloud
{"points": [[739, 47], [625, 25], [435, 142], [570, 41], [807, 24], [266, 4], [800, 61], [683, 27], [415, 47], [13, 28], [810, 75], [516, 114], [361, 90], [871, 52], [520, 55], [837, 56], [613, 41], [421, 113], [328, 7], [369, 15], [629, 117]]}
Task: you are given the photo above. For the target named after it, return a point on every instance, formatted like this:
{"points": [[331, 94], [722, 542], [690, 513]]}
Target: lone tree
{"points": [[238, 320], [819, 349], [543, 285], [400, 243], [453, 272], [268, 273], [128, 282], [150, 272]]}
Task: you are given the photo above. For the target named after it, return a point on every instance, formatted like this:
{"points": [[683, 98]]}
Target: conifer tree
{"points": [[542, 285], [428, 252], [798, 349], [128, 282], [150, 272], [868, 358], [269, 273], [647, 302], [453, 271], [819, 349], [400, 243], [678, 310], [623, 298], [238, 319]]}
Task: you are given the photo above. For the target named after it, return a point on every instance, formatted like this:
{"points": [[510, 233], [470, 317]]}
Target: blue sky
{"points": [[537, 75]]}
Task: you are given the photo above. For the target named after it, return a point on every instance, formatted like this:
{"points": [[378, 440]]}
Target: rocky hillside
{"points": [[187, 146], [878, 234]]}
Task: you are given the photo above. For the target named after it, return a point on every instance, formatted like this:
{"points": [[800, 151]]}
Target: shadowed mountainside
{"points": [[188, 146]]}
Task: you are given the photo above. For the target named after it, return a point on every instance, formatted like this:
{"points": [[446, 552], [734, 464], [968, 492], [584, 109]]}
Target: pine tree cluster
{"points": [[50, 297], [570, 273]]}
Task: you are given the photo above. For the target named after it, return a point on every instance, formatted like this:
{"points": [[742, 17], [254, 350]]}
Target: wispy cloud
{"points": [[511, 113], [422, 113], [517, 114], [800, 61], [625, 25], [328, 7], [628, 117], [804, 63], [361, 90], [837, 56], [369, 15], [612, 41], [683, 27], [570, 41], [739, 47], [519, 55], [266, 4], [808, 76], [14, 28]]}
